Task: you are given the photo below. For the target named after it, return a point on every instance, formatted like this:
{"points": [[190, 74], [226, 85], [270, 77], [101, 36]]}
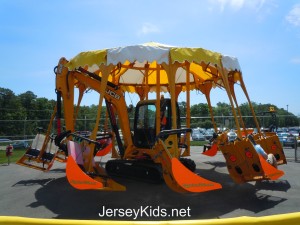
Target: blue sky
{"points": [[263, 34]]}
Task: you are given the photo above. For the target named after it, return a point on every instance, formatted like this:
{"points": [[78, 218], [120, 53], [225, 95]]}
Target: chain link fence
{"points": [[12, 130], [292, 153], [26, 129]]}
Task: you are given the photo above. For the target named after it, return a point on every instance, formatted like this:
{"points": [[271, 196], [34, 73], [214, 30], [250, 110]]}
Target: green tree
{"points": [[200, 116], [11, 110], [23, 113]]}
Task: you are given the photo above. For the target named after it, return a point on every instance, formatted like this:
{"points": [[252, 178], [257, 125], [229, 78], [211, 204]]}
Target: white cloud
{"points": [[295, 60], [236, 5], [148, 28], [293, 16]]}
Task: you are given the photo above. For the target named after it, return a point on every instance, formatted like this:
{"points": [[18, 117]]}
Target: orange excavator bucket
{"points": [[107, 149], [78, 179], [270, 171], [179, 178], [212, 151], [190, 181], [81, 179]]}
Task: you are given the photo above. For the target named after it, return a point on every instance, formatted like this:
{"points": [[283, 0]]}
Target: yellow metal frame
{"points": [[288, 219], [199, 69]]}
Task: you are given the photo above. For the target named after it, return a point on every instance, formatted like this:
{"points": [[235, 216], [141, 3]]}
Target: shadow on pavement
{"points": [[156, 200], [42, 182]]}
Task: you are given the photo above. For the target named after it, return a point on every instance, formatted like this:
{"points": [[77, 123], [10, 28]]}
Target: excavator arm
{"points": [[66, 81], [176, 175], [82, 170]]}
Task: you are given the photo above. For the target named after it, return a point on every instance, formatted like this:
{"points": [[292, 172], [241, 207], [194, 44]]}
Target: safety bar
{"points": [[165, 133], [84, 138], [103, 136]]}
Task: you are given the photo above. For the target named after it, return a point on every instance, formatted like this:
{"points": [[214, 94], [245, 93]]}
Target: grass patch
{"points": [[17, 154], [198, 143]]}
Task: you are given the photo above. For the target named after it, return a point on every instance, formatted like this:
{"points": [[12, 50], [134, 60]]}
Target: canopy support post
{"points": [[227, 88], [188, 109], [158, 97]]}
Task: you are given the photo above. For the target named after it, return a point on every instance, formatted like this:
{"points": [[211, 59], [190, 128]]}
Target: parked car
{"points": [[296, 134], [197, 135], [5, 140], [20, 144], [208, 134], [231, 136], [287, 139]]}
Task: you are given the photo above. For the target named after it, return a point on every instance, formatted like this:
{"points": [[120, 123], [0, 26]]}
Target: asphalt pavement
{"points": [[31, 193]]}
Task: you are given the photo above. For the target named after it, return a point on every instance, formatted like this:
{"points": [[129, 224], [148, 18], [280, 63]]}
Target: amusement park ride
{"points": [[149, 151]]}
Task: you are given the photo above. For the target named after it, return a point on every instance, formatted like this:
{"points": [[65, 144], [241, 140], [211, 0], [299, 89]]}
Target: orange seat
{"points": [[40, 155], [272, 145], [244, 164]]}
